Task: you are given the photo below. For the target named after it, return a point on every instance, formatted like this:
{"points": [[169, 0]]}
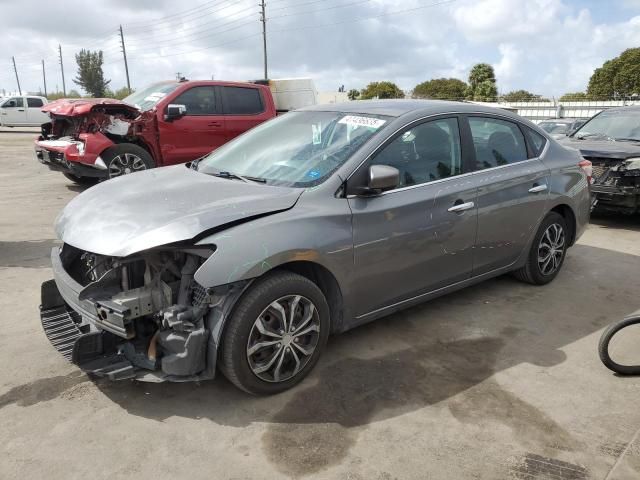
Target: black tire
{"points": [[120, 150], [88, 181], [233, 355], [603, 347], [531, 272]]}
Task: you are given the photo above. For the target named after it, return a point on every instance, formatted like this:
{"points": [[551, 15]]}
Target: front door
{"points": [[513, 188], [420, 236], [200, 131], [13, 112]]}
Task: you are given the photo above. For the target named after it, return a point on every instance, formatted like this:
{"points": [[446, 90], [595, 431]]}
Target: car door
{"points": [[35, 115], [512, 190], [420, 236], [244, 108], [13, 112], [200, 131]]}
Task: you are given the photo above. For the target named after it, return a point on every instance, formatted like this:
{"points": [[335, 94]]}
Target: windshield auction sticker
{"points": [[362, 121]]}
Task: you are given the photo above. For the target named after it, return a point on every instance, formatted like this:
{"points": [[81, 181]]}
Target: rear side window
{"points": [[34, 102], [199, 101], [242, 101], [537, 142], [496, 142]]}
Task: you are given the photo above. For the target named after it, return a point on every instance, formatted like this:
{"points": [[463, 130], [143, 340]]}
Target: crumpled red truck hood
{"points": [[72, 107]]}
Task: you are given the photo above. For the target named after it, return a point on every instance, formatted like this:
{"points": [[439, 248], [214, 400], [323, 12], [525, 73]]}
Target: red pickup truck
{"points": [[164, 124]]}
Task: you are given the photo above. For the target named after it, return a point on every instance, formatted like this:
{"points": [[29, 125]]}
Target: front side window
{"points": [[34, 102], [424, 153], [199, 101], [15, 102], [242, 101], [298, 149], [496, 142]]}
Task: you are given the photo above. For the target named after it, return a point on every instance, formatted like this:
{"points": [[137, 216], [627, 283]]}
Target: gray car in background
{"points": [[312, 223], [559, 128]]}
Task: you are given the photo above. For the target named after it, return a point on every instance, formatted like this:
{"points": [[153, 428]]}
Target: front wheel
{"points": [[548, 250], [275, 335], [126, 158]]}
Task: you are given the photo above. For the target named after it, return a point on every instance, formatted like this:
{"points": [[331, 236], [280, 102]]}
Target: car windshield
{"points": [[553, 127], [612, 124], [298, 149], [148, 98]]}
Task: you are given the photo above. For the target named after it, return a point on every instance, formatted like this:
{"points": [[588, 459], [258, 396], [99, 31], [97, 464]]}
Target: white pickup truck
{"points": [[23, 111]]}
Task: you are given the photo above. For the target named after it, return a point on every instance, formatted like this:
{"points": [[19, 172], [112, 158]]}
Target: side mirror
{"points": [[175, 111], [382, 178]]}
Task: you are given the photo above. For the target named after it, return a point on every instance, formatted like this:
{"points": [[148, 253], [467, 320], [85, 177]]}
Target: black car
{"points": [[611, 141]]}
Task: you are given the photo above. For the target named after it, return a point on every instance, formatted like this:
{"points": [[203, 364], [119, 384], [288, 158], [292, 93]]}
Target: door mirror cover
{"points": [[175, 111], [383, 177]]}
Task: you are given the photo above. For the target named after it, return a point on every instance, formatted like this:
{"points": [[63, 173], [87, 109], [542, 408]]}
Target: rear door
{"points": [[13, 111], [243, 107], [35, 115], [200, 131], [513, 189], [420, 236]]}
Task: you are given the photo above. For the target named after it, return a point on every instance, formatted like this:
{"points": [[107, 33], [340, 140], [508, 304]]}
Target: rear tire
{"points": [[547, 253], [258, 353], [88, 181]]}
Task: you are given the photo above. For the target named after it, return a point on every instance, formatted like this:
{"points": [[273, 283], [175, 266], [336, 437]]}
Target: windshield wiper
{"points": [[627, 139], [589, 135], [247, 179]]}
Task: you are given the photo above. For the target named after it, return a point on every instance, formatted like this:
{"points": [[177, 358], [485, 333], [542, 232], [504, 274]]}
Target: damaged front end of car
{"points": [[616, 184], [143, 316]]}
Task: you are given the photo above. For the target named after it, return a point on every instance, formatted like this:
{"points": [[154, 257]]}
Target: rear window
{"points": [[34, 102], [242, 101]]}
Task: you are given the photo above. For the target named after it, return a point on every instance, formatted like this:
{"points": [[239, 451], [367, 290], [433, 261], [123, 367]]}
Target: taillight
{"points": [[587, 166]]}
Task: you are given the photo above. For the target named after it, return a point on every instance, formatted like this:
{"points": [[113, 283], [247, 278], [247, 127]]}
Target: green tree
{"points": [[353, 94], [441, 88], [522, 96], [122, 93], [486, 91], [90, 75], [381, 90], [618, 77], [482, 83], [574, 97]]}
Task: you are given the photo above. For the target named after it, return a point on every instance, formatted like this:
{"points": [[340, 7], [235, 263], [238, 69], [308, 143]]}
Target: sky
{"points": [[548, 47]]}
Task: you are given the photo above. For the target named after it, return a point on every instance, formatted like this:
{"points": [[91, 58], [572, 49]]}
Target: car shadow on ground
{"points": [[616, 221], [446, 350]]}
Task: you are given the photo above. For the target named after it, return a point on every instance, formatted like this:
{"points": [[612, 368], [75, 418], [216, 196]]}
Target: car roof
{"points": [[398, 108]]}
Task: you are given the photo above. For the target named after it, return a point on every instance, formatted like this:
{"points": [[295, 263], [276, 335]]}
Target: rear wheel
{"points": [[547, 253], [126, 158], [275, 335]]}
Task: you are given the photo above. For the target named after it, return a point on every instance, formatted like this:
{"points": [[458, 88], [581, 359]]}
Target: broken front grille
{"points": [[602, 170], [61, 328]]}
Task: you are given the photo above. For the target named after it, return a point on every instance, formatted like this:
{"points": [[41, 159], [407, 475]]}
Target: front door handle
{"points": [[461, 207], [21, 109], [538, 188]]}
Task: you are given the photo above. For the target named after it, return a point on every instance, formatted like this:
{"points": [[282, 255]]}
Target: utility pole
{"points": [[263, 19], [16, 71], [44, 78], [124, 54], [64, 88]]}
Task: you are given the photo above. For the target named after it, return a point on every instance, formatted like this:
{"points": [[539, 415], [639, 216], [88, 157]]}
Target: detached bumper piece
{"points": [[61, 328]]}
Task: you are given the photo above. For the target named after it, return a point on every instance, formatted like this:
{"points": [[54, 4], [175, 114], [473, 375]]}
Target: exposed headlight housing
{"points": [[632, 164]]}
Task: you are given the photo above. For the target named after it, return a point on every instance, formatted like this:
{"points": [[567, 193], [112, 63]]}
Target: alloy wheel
{"points": [[124, 164], [283, 338], [551, 249]]}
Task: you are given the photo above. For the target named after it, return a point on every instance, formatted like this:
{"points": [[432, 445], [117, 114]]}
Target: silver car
{"points": [[310, 224]]}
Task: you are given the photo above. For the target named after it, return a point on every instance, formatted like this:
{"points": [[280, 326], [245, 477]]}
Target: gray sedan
{"points": [[310, 224]]}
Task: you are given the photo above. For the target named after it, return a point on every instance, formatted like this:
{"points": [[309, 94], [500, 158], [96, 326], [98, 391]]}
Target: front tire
{"points": [[548, 251], [126, 158], [275, 335]]}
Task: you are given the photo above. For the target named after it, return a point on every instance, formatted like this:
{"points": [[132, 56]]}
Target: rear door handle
{"points": [[461, 207], [538, 188]]}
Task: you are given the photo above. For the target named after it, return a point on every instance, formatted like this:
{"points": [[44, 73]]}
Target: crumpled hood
{"points": [[603, 148], [161, 206], [72, 107]]}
